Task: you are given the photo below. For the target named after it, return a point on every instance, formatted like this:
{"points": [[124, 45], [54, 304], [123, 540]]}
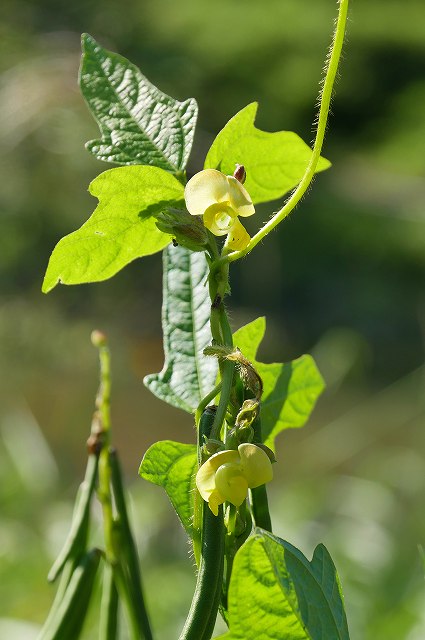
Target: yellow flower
{"points": [[220, 200], [228, 475]]}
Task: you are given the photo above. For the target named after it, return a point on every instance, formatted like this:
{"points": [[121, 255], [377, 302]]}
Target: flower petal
{"points": [[204, 189], [214, 501], [238, 237], [219, 218], [256, 465], [205, 478], [240, 199], [231, 483]]}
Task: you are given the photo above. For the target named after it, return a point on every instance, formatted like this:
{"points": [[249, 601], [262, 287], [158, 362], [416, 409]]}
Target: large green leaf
{"points": [[187, 375], [274, 162], [290, 389], [121, 228], [139, 124], [172, 465], [276, 593]]}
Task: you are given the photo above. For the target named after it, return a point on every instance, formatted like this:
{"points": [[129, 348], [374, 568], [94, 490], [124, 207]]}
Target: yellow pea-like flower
{"points": [[220, 199], [228, 475]]}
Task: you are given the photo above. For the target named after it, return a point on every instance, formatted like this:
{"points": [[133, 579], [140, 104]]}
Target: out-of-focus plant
{"points": [[262, 586]]}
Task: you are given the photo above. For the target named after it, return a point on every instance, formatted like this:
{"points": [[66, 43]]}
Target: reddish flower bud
{"points": [[240, 173]]}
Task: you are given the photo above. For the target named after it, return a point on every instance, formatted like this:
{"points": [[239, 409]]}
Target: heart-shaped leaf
{"points": [[274, 162]]}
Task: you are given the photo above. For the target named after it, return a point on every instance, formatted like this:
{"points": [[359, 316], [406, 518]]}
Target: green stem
{"points": [[227, 370], [104, 407], [325, 101], [203, 611], [225, 328], [221, 333]]}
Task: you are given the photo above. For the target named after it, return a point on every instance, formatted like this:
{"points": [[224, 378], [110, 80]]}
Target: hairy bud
{"points": [[188, 231]]}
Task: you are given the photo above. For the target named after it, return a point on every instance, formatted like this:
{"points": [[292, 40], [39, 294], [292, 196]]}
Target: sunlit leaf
{"points": [[274, 162], [187, 375], [290, 389], [275, 592], [172, 465], [139, 124], [121, 229]]}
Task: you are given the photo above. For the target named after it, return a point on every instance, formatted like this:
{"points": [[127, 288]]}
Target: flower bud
{"points": [[245, 434], [98, 338], [188, 231], [240, 173], [247, 414], [212, 446]]}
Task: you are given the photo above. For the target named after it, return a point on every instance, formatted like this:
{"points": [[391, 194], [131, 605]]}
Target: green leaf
{"points": [[139, 124], [121, 229], [187, 375], [172, 465], [274, 162], [290, 389], [275, 592]]}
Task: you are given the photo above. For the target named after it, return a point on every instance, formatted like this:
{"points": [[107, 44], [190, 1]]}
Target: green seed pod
{"points": [[203, 611], [205, 425], [108, 625], [125, 542], [69, 617], [76, 541]]}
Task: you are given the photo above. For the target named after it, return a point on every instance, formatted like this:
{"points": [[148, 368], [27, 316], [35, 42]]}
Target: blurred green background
{"points": [[342, 279]]}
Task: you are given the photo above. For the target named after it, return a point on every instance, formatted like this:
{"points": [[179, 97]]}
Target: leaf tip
{"points": [[87, 42], [48, 284]]}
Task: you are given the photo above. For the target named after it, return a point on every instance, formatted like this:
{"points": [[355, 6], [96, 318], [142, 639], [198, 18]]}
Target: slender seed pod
{"points": [[108, 625], [76, 541], [69, 617], [203, 611], [128, 547], [204, 429], [260, 508], [65, 577], [205, 425], [259, 500]]}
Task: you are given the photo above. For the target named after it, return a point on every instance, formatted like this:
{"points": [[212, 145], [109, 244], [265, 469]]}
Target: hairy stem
{"points": [[325, 101]]}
